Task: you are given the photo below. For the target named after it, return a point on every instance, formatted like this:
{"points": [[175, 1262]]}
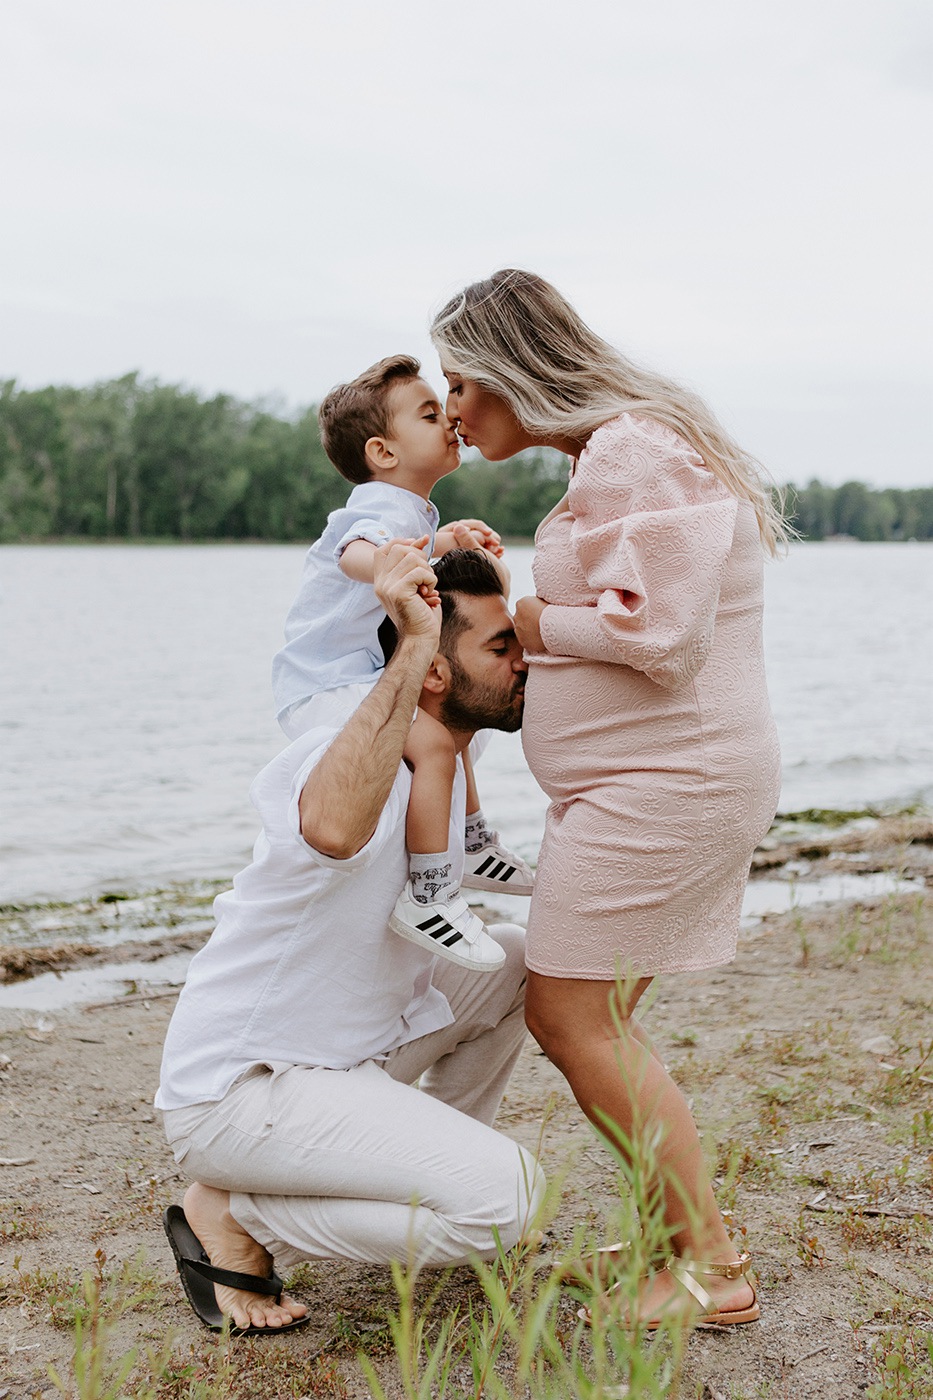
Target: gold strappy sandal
{"points": [[685, 1272]]}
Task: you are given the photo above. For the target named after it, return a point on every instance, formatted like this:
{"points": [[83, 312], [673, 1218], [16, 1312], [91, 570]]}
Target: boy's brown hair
{"points": [[353, 413]]}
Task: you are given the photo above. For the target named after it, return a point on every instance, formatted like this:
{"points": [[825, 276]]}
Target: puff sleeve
{"points": [[651, 533]]}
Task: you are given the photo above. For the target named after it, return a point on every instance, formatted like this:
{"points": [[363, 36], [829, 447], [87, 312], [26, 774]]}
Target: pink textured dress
{"points": [[647, 720]]}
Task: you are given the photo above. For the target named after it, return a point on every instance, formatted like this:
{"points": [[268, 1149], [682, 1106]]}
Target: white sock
{"points": [[431, 880], [476, 834]]}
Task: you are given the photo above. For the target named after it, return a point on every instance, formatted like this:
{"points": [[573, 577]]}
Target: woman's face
{"points": [[483, 420]]}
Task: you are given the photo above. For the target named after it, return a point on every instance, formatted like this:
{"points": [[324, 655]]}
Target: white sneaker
{"points": [[495, 868], [448, 928]]}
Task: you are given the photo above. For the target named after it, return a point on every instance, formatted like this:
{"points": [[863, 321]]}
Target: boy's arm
{"points": [[358, 559]]}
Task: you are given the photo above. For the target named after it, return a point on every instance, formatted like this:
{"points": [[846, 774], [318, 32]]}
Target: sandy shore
{"points": [[804, 1059]]}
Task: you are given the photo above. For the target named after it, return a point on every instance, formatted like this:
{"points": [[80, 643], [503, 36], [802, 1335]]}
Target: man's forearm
{"points": [[344, 795]]}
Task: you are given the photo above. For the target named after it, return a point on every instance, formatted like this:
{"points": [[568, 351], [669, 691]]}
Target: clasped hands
{"points": [[405, 583]]}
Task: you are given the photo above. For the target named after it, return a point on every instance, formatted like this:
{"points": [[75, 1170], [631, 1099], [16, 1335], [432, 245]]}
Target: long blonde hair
{"points": [[515, 335]]}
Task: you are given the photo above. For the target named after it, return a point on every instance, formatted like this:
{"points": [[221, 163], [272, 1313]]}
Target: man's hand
{"points": [[340, 803], [528, 623], [404, 583]]}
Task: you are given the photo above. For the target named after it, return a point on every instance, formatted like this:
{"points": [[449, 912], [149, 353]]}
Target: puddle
{"points": [[54, 991], [778, 896]]}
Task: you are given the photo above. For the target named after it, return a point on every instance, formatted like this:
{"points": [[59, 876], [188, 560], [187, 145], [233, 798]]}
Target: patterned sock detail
{"points": [[430, 877], [476, 834]]}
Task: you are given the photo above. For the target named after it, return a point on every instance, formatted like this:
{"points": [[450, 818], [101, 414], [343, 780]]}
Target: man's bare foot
{"points": [[228, 1246]]}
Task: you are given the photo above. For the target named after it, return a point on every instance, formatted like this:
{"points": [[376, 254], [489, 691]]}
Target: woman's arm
{"points": [[651, 533]]}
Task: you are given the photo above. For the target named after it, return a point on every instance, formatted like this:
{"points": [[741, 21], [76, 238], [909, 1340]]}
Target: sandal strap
{"points": [[228, 1278], [685, 1271], [737, 1269]]}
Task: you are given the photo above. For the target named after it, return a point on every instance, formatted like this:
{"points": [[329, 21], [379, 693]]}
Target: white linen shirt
{"points": [[331, 631], [302, 967]]}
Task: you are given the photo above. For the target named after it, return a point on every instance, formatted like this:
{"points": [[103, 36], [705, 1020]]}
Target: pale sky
{"points": [[265, 198]]}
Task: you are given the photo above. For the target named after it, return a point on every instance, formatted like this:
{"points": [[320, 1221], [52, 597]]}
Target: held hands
{"points": [[528, 623], [468, 534], [404, 583]]}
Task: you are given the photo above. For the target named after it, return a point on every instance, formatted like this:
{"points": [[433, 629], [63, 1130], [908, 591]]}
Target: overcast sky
{"points": [[264, 198]]}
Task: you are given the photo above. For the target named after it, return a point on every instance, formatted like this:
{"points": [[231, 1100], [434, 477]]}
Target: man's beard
{"points": [[469, 705]]}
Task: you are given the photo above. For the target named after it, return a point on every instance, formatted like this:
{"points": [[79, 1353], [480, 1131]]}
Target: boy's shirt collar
{"points": [[373, 492]]}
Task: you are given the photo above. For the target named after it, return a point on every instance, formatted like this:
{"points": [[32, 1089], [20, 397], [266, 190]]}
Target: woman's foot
{"points": [[228, 1246], [663, 1297]]}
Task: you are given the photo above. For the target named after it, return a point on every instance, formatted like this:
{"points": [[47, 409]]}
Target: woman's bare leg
{"points": [[586, 1029]]}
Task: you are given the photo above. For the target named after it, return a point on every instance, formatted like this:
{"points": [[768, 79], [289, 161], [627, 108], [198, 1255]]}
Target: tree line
{"points": [[137, 459]]}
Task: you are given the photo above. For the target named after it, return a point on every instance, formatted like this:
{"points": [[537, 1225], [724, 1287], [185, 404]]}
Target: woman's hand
{"points": [[528, 623]]}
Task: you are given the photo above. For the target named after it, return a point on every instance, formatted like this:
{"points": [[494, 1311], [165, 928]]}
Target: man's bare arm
{"points": [[340, 803]]}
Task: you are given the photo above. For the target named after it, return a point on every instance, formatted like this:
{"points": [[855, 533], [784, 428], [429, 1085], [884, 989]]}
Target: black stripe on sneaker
{"points": [[440, 933], [496, 874], [480, 869]]}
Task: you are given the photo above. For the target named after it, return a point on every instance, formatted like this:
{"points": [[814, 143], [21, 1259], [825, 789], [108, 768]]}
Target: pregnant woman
{"points": [[647, 724]]}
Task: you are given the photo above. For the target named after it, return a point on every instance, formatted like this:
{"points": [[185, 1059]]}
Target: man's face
{"points": [[487, 670]]}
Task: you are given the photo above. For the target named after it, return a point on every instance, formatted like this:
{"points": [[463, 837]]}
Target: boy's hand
{"points": [[468, 534]]}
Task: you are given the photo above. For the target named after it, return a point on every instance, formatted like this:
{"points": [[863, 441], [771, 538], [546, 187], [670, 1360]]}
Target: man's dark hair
{"points": [[353, 413], [472, 574], [468, 572]]}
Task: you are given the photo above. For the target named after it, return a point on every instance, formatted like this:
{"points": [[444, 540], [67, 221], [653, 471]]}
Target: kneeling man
{"points": [[289, 1064]]}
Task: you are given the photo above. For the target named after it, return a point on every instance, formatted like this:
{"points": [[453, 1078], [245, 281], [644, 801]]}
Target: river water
{"points": [[135, 704]]}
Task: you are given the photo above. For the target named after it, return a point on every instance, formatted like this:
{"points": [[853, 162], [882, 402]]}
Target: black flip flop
{"points": [[198, 1276]]}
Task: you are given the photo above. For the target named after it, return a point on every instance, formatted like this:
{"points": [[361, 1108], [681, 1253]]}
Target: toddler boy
{"points": [[387, 433]]}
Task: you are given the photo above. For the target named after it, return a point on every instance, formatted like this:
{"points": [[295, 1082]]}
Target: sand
{"points": [[804, 1060]]}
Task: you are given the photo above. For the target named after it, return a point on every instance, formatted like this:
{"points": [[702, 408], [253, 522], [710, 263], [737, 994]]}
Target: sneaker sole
{"points": [[482, 882], [424, 940]]}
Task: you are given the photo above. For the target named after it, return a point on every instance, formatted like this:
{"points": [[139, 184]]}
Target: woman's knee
{"points": [[547, 1020]]}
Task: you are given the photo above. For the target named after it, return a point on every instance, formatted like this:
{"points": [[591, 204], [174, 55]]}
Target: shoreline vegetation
{"points": [[136, 460], [811, 1059]]}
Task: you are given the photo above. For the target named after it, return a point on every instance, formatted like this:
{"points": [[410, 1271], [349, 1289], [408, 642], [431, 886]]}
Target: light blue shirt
{"points": [[331, 632]]}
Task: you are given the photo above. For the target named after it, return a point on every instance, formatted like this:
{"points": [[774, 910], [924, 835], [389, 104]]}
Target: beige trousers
{"points": [[358, 1163]]}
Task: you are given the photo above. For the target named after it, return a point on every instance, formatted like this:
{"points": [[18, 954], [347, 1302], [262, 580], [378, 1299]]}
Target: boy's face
{"points": [[420, 433]]}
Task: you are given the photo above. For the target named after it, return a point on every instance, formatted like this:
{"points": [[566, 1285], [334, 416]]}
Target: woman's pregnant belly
{"points": [[587, 723]]}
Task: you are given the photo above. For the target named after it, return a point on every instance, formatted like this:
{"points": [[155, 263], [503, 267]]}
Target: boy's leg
{"points": [[430, 911], [429, 752], [489, 865], [472, 792]]}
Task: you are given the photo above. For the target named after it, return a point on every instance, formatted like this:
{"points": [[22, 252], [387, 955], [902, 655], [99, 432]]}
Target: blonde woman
{"points": [[646, 722]]}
